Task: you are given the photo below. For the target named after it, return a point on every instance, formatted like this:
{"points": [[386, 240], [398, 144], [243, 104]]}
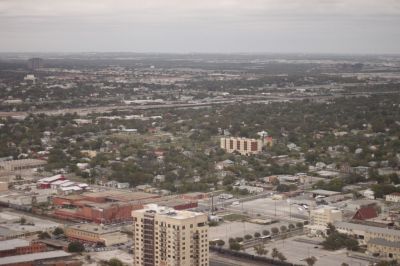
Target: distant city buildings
{"points": [[243, 146], [35, 63], [163, 236]]}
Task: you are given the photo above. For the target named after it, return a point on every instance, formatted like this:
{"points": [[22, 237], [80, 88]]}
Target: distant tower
{"points": [[35, 63]]}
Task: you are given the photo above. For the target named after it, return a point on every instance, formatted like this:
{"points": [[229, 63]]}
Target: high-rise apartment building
{"points": [[244, 146], [35, 63], [164, 236]]}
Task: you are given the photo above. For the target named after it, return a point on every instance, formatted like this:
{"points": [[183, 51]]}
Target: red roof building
{"points": [[365, 213]]}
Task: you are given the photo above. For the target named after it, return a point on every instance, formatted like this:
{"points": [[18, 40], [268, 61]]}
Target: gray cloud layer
{"points": [[310, 26]]}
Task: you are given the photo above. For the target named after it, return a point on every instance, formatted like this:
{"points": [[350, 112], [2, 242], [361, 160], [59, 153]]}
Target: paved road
{"points": [[217, 259]]}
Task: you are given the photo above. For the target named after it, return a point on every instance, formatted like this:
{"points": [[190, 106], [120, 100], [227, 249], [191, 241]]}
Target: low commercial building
{"points": [[15, 247], [364, 233], [243, 146], [250, 189], [365, 213], [96, 234], [58, 257], [384, 248], [101, 213], [394, 197], [324, 193], [47, 181], [112, 206]]}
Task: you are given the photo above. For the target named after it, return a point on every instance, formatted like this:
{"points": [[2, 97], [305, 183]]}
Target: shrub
{"points": [[235, 246], [265, 232], [75, 247], [299, 225], [220, 242], [248, 237], [239, 239]]}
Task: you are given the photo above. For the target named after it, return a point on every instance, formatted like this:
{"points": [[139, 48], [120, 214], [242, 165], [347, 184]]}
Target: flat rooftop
{"points": [[12, 244], [118, 195], [94, 228], [324, 192], [34, 257], [169, 212], [367, 228]]}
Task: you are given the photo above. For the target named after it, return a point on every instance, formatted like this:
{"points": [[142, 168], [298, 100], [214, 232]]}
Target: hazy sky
{"points": [[278, 26]]}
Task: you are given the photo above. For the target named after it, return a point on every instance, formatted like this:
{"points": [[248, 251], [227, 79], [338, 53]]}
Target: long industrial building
{"points": [[112, 206]]}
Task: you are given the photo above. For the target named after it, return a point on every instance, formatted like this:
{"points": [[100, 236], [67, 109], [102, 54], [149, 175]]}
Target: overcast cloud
{"points": [[279, 26]]}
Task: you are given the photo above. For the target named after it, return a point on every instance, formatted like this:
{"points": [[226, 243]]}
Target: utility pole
{"points": [[212, 204]]}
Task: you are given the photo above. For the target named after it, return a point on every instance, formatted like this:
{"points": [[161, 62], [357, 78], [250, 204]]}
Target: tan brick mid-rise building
{"points": [[163, 237], [243, 146], [324, 216]]}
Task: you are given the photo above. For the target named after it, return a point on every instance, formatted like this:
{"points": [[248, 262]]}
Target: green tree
{"points": [[220, 242], [281, 257], [248, 237], [275, 253], [311, 260], [58, 231], [115, 262], [44, 235], [75, 247], [257, 234], [283, 228], [265, 232], [274, 230], [260, 250], [299, 225], [234, 246], [239, 239], [387, 263]]}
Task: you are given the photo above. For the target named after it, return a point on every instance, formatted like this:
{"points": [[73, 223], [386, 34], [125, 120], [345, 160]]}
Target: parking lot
{"points": [[272, 208], [227, 230], [296, 252], [123, 256]]}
